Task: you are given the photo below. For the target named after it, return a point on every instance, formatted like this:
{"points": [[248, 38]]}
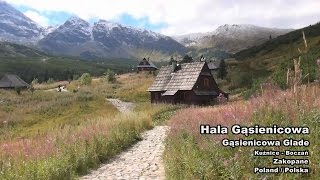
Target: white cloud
{"points": [[35, 16], [186, 16]]}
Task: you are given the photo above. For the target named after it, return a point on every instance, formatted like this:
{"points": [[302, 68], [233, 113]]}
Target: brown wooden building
{"points": [[146, 65], [190, 83], [10, 81]]}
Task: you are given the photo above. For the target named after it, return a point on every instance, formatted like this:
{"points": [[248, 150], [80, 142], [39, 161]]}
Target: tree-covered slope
{"points": [[29, 64]]}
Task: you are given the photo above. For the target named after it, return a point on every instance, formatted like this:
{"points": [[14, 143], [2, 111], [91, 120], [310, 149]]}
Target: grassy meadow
{"points": [[189, 155], [52, 135]]}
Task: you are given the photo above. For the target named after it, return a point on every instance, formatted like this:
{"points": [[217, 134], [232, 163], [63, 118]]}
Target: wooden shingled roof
{"points": [[184, 78], [12, 81]]}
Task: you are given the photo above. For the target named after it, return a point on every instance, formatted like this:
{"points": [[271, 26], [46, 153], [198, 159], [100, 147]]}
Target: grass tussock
{"points": [[189, 155]]}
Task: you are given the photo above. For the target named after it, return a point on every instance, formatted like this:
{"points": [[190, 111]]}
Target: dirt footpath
{"points": [[142, 161], [122, 106]]}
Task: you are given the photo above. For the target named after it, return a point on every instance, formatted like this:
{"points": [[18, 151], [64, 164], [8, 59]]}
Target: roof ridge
{"points": [[185, 63]]}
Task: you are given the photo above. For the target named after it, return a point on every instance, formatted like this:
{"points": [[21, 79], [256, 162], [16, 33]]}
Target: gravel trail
{"points": [[122, 106], [142, 161]]}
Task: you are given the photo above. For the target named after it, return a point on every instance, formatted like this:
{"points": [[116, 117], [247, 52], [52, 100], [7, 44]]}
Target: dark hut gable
{"points": [[205, 80], [144, 62], [146, 65]]}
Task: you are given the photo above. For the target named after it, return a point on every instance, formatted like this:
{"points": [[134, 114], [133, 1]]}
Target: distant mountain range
{"points": [[231, 38], [76, 37]]}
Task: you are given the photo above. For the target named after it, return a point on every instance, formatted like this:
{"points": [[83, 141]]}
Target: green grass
{"points": [[161, 117], [133, 87], [29, 114]]}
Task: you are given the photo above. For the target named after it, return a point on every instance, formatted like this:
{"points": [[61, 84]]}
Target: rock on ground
{"points": [[142, 161]]}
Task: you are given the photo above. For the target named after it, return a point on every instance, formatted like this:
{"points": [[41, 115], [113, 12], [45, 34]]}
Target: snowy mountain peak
{"points": [[15, 26], [107, 24], [76, 21], [235, 27]]}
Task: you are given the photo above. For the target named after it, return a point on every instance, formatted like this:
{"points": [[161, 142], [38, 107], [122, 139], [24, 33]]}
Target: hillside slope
{"points": [[15, 26], [8, 49], [275, 56], [29, 64]]}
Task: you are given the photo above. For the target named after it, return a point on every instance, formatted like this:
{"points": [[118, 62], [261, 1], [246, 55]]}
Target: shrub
{"points": [[255, 88], [110, 76], [18, 90], [50, 81], [241, 79], [75, 77], [35, 81], [31, 89], [85, 79]]}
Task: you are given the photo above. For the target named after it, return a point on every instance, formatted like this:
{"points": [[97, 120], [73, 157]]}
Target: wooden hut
{"points": [[10, 81], [146, 65], [189, 83], [213, 68]]}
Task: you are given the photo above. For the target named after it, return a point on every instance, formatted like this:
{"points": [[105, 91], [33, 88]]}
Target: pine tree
{"points": [[187, 59], [222, 73]]}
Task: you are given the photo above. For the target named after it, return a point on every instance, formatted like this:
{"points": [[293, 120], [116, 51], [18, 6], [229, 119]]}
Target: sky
{"points": [[175, 17]]}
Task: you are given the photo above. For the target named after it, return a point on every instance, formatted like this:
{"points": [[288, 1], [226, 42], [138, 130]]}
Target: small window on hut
{"points": [[206, 82]]}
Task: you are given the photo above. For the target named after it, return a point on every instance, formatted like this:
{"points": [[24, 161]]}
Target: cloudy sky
{"points": [[176, 17]]}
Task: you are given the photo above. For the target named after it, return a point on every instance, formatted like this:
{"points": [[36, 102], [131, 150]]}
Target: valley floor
{"points": [[52, 135]]}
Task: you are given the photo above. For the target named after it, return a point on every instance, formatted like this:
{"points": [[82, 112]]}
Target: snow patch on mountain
{"points": [[107, 25], [191, 39], [47, 30]]}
